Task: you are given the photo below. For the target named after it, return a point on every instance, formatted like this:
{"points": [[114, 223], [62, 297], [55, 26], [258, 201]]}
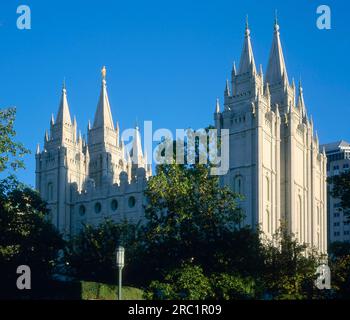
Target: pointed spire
{"points": [[89, 125], [277, 111], [276, 17], [103, 115], [87, 153], [234, 70], [247, 62], [117, 132], [38, 148], [267, 89], [122, 149], [276, 69], [227, 91], [46, 136], [311, 123], [117, 127], [52, 119], [136, 150], [217, 107], [301, 103], [63, 115]]}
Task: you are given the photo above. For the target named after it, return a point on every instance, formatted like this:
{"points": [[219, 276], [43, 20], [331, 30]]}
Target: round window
{"points": [[98, 207], [132, 202], [82, 210], [114, 205]]}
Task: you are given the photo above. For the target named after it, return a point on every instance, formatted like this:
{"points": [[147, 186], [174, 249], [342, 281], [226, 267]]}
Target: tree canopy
{"points": [[11, 152]]}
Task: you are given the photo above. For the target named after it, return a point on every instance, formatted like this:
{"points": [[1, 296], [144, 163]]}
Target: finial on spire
{"points": [[247, 31], [276, 21], [104, 73], [300, 85], [217, 108], [227, 89], [234, 71], [38, 148], [276, 16]]}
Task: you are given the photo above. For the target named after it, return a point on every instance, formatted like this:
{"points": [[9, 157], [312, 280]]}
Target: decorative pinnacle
{"points": [[64, 85], [300, 86], [217, 107], [104, 73], [276, 21], [247, 31]]}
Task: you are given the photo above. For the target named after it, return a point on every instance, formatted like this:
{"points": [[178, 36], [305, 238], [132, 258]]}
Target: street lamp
{"points": [[120, 265]]}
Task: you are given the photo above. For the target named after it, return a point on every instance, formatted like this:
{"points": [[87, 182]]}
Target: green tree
{"points": [[289, 269], [340, 276], [187, 282], [228, 287], [11, 152], [189, 218], [91, 253], [340, 189], [340, 269], [26, 236]]}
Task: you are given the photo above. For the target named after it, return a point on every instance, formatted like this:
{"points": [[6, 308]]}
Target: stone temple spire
{"points": [[276, 69], [247, 62], [301, 103], [103, 115], [63, 115], [136, 151]]}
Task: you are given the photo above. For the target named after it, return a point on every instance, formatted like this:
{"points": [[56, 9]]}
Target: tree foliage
{"points": [[11, 152], [340, 189], [26, 236], [187, 282], [91, 253], [189, 217], [289, 268]]}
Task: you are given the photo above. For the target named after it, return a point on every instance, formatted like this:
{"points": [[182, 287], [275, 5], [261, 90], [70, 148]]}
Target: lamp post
{"points": [[120, 265]]}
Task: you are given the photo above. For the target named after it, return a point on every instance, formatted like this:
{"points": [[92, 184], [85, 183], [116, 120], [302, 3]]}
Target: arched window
{"points": [[132, 202], [50, 191], [238, 185], [267, 188], [82, 210], [98, 207], [114, 205], [300, 215]]}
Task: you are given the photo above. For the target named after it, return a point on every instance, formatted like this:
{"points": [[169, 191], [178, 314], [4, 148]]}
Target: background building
{"points": [[274, 154], [338, 155]]}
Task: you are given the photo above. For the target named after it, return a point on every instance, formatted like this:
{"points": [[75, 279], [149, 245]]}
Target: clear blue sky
{"points": [[167, 61]]}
